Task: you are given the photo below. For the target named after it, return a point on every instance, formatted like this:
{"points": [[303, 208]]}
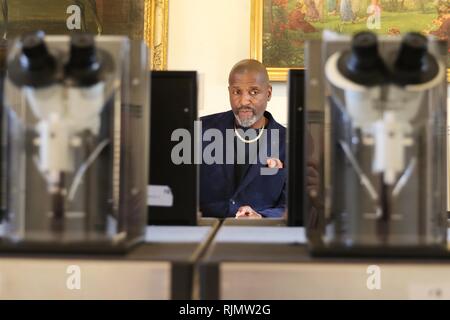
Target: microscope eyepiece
{"points": [[83, 52], [365, 46], [35, 53], [86, 62], [34, 66], [363, 63], [414, 64], [32, 41], [412, 52]]}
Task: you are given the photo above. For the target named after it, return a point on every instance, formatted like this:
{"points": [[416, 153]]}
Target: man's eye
{"points": [[254, 92], [236, 92]]}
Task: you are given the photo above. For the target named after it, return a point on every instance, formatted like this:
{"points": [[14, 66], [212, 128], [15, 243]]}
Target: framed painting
{"points": [[138, 19], [279, 28]]}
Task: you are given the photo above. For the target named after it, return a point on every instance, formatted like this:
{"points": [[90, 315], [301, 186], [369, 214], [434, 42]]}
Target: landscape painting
{"points": [[287, 24]]}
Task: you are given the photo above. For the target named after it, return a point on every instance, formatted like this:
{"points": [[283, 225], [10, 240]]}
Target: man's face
{"points": [[249, 95]]}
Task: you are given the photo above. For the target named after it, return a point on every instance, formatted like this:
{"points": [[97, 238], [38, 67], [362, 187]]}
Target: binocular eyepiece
{"points": [[85, 64], [36, 67], [364, 65]]}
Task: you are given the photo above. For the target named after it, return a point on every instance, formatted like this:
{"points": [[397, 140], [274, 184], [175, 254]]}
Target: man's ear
{"points": [[269, 92]]}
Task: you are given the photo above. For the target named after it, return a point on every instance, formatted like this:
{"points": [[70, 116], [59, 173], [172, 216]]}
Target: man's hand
{"points": [[274, 163], [247, 212]]}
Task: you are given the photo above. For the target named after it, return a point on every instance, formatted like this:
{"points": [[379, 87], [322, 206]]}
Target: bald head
{"points": [[250, 66]]}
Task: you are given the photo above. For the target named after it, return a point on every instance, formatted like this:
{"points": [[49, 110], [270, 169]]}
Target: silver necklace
{"points": [[252, 140]]}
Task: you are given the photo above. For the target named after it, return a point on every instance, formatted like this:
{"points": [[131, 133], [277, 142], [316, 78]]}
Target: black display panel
{"points": [[173, 188], [296, 147]]}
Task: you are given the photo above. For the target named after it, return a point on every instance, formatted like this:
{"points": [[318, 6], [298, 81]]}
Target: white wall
{"points": [[210, 36]]}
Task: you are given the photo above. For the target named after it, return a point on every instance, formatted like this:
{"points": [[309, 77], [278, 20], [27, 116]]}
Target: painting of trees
{"points": [[443, 22], [288, 24]]}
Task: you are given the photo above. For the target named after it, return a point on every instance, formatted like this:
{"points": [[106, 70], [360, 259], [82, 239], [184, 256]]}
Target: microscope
{"points": [[379, 135], [74, 144]]}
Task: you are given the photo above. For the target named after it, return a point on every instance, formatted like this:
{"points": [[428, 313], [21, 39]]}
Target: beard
{"points": [[249, 120]]}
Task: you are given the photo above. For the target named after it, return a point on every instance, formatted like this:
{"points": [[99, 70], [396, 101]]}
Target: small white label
{"points": [[159, 196]]}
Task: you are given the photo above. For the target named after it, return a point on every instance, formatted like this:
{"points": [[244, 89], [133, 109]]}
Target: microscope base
{"points": [[78, 247], [427, 252]]}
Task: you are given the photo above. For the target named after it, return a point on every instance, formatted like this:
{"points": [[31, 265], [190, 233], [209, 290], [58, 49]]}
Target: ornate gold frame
{"points": [[156, 28], [256, 50]]}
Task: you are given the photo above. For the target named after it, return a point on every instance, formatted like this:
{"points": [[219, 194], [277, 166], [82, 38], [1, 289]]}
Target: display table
{"points": [[160, 268], [266, 222], [273, 263]]}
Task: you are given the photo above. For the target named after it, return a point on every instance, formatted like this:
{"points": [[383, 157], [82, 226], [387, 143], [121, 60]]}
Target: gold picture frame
{"points": [[256, 41], [156, 29]]}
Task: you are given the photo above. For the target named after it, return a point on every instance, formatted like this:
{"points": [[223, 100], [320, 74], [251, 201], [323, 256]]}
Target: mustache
{"points": [[246, 108]]}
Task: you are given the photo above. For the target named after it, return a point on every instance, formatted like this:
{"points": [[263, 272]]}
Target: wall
{"points": [[210, 36]]}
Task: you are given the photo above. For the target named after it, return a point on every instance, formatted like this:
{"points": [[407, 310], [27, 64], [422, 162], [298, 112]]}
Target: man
{"points": [[245, 189]]}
